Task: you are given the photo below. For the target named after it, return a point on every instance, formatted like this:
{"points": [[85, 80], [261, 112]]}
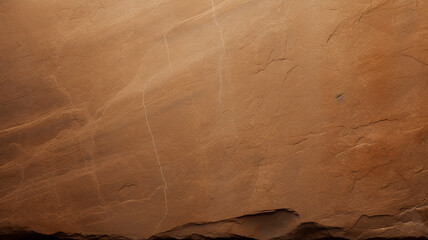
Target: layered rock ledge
{"points": [[177, 119]]}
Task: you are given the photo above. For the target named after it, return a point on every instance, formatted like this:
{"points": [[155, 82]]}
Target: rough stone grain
{"points": [[214, 118]]}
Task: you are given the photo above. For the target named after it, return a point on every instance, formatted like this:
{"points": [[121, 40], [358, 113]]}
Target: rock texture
{"points": [[266, 119]]}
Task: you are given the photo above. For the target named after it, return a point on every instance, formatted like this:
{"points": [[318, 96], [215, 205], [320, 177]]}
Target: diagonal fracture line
{"points": [[165, 187]]}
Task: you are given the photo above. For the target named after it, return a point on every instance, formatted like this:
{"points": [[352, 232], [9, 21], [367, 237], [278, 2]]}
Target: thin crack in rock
{"points": [[167, 50], [165, 188], [220, 58]]}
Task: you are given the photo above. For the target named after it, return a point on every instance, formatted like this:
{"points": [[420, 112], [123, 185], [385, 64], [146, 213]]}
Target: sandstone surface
{"points": [[265, 119]]}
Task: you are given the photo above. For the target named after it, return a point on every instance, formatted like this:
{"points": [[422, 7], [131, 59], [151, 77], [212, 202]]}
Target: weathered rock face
{"points": [[262, 119]]}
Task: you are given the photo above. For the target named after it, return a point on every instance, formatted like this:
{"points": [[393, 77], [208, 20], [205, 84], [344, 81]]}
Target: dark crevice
{"points": [[200, 237], [28, 235], [399, 238], [236, 219], [13, 234], [312, 230], [305, 231]]}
